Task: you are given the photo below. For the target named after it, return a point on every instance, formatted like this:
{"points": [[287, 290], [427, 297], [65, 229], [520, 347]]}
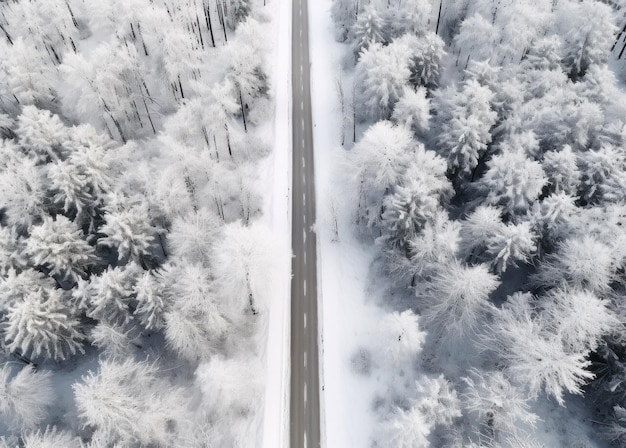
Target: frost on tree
{"points": [[245, 266], [109, 295], [368, 29], [381, 157], [413, 110], [59, 246], [582, 263], [464, 123], [485, 238], [126, 403], [25, 396], [535, 357], [128, 229], [381, 74], [498, 406], [41, 325], [457, 299], [512, 181], [51, 437], [196, 320]]}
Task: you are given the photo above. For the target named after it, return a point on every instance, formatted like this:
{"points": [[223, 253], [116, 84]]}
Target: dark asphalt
{"points": [[304, 402]]}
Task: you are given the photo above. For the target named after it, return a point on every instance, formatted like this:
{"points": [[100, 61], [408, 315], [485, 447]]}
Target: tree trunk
{"points": [[243, 110], [438, 17]]}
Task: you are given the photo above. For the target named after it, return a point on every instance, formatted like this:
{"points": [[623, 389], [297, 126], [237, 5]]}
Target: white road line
{"points": [[303, 199], [304, 320], [304, 357], [305, 439], [304, 257], [304, 287], [304, 232], [303, 142], [302, 104], [305, 395]]}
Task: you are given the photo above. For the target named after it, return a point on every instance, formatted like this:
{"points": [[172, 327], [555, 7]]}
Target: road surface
{"points": [[304, 401]]}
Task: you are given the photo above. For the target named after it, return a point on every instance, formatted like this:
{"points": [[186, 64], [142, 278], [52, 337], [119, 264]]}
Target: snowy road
{"points": [[304, 404]]}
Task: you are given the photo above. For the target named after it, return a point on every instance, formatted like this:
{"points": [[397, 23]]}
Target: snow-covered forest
{"points": [[134, 274], [485, 145]]}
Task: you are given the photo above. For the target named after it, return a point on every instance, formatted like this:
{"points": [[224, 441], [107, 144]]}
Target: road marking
{"points": [[303, 199], [304, 357], [304, 232], [302, 142], [304, 287], [303, 166], [304, 257], [302, 106], [305, 393], [305, 439], [303, 124], [304, 320]]}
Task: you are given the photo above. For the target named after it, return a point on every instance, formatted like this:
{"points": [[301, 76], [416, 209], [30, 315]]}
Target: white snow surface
{"points": [[276, 182], [347, 313]]}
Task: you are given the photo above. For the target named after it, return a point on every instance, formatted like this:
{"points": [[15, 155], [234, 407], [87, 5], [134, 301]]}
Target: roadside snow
{"points": [[347, 313], [276, 178]]}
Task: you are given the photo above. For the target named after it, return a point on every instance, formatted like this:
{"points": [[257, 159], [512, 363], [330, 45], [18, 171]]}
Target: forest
{"points": [[134, 273], [485, 145]]}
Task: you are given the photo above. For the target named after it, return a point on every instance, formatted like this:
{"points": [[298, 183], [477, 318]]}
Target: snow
{"points": [[347, 315], [276, 178]]}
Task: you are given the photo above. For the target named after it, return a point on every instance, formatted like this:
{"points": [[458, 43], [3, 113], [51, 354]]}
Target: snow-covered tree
{"points": [[498, 405], [25, 397], [191, 236], [381, 75], [413, 110], [108, 296], [381, 157], [368, 29], [59, 245], [151, 302], [535, 358], [603, 174], [399, 340], [404, 429], [562, 170], [196, 321], [589, 31], [12, 254], [427, 52], [24, 192], [51, 438], [437, 245], [437, 400], [42, 325], [579, 317], [129, 405], [42, 134], [512, 181], [457, 299], [129, 230], [464, 120], [245, 266], [582, 263], [116, 342], [486, 238]]}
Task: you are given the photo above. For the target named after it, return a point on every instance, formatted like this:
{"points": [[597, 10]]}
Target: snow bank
{"points": [[346, 316], [276, 175]]}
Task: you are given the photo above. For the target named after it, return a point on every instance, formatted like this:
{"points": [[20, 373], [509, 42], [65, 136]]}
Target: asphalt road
{"points": [[304, 401]]}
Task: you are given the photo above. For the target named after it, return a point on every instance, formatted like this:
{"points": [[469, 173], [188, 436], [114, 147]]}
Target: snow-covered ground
{"points": [[276, 178], [346, 307]]}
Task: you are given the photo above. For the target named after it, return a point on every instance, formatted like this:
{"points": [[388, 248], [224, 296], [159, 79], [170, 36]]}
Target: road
{"points": [[304, 401]]}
